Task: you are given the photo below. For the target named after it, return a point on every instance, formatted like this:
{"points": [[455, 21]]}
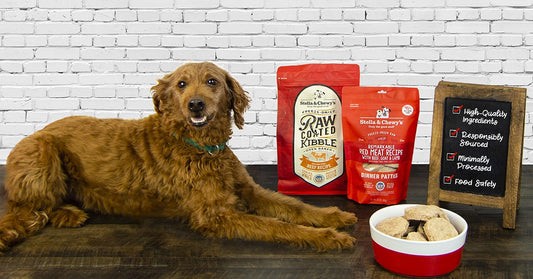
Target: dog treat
{"points": [[424, 212], [309, 128], [419, 223], [439, 229], [416, 236], [379, 127], [394, 226], [420, 228]]}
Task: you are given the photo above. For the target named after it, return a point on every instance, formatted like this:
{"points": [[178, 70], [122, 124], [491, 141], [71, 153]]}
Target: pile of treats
{"points": [[420, 223]]}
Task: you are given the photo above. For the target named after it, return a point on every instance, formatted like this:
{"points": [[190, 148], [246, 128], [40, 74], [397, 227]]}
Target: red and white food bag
{"points": [[309, 128], [379, 128]]}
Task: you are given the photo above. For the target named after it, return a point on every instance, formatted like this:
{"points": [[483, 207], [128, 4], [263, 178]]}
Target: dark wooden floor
{"points": [[122, 247]]}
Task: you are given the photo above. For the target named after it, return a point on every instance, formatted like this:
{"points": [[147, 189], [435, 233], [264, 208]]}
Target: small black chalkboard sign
{"points": [[476, 147]]}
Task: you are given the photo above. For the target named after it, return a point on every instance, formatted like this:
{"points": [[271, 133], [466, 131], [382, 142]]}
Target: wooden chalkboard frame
{"points": [[511, 199]]}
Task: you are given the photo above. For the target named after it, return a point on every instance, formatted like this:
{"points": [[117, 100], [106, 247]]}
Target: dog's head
{"points": [[199, 93]]}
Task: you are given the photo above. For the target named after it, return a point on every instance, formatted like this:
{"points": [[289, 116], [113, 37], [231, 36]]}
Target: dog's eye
{"points": [[182, 84], [212, 82]]}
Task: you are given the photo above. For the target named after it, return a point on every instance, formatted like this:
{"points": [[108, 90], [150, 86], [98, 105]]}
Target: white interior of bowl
{"points": [[426, 248]]}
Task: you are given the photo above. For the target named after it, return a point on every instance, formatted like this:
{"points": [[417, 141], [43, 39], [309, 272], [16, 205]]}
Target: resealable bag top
{"points": [[309, 129]]}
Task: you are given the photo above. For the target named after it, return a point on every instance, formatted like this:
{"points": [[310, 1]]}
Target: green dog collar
{"points": [[211, 149]]}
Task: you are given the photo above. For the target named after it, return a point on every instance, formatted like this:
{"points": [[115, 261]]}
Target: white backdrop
{"points": [[100, 57]]}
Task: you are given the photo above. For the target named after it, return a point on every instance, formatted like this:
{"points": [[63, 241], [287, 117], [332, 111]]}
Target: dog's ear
{"points": [[160, 95], [239, 100]]}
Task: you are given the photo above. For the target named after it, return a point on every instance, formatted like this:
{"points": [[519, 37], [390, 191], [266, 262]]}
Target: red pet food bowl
{"points": [[417, 258]]}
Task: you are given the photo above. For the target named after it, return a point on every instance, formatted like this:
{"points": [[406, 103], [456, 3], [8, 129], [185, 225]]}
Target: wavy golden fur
{"points": [[149, 167]]}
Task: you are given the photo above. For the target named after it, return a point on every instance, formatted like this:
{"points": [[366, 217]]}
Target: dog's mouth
{"points": [[198, 112], [199, 121]]}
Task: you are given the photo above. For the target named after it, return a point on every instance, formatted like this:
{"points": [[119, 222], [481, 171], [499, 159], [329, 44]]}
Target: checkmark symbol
{"points": [[451, 156], [453, 133], [448, 179], [457, 109]]}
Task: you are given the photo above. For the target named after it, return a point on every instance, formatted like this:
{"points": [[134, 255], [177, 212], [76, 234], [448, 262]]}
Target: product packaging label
{"points": [[318, 145]]}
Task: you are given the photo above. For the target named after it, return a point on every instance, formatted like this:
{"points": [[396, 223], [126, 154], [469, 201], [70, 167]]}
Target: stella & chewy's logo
{"points": [[318, 147]]}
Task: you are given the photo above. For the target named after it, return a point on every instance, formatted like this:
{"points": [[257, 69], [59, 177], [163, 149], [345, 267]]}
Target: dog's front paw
{"points": [[332, 239], [68, 216], [347, 218], [336, 218]]}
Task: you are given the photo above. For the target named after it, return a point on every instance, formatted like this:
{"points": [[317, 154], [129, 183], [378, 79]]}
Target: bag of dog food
{"points": [[379, 127], [309, 128]]}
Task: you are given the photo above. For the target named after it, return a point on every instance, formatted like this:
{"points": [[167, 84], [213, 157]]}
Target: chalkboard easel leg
{"points": [[509, 216]]}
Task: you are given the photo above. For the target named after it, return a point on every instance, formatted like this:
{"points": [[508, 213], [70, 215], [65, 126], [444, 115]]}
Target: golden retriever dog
{"points": [[172, 164]]}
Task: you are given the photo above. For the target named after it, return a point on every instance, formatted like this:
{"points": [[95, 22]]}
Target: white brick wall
{"points": [[100, 57]]}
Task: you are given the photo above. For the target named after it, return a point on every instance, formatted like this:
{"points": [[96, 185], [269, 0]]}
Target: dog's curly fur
{"points": [[146, 168]]}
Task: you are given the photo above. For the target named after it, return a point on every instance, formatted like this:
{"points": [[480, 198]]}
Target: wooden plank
{"points": [[114, 247], [472, 199]]}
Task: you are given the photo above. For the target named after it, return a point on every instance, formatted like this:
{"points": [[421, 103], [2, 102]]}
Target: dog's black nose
{"points": [[196, 104]]}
